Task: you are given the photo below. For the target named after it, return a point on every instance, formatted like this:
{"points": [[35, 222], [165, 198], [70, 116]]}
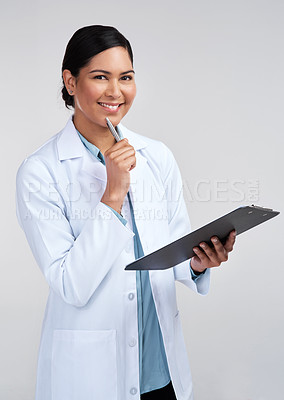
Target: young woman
{"points": [[89, 206]]}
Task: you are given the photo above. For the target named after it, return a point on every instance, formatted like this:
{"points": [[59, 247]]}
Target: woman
{"points": [[89, 206]]}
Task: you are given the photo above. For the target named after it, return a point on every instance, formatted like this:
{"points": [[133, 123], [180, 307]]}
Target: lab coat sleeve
{"points": [[74, 267], [179, 224]]}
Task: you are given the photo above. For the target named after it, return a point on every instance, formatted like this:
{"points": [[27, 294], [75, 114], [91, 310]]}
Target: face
{"points": [[104, 88]]}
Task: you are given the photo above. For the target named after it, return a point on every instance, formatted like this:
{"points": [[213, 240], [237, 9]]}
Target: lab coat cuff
{"points": [[119, 216], [106, 212], [201, 285]]}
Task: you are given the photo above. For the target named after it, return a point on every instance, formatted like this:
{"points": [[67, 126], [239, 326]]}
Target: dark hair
{"points": [[84, 45]]}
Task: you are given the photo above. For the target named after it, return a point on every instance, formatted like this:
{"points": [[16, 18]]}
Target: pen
{"points": [[112, 130], [114, 134]]}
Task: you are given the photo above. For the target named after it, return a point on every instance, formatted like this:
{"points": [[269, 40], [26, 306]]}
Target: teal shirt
{"points": [[153, 367]]}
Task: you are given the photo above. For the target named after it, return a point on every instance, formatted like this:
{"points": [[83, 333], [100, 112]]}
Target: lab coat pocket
{"points": [[84, 365], [181, 355]]}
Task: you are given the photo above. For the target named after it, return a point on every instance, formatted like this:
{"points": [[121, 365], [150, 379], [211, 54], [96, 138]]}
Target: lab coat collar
{"points": [[69, 144]]}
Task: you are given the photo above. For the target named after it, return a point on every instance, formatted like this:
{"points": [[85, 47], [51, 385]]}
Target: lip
{"points": [[110, 104]]}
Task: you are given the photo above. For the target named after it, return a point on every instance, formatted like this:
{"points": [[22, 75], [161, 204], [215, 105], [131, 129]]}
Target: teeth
{"points": [[108, 106]]}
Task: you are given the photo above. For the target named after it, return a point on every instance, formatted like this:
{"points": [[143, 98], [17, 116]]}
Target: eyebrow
{"points": [[109, 73]]}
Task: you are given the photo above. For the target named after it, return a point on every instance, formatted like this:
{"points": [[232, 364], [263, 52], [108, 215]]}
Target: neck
{"points": [[98, 135]]}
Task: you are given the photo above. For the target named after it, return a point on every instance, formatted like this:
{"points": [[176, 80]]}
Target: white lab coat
{"points": [[89, 342]]}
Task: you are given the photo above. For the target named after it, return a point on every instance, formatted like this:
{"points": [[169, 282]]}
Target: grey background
{"points": [[210, 85]]}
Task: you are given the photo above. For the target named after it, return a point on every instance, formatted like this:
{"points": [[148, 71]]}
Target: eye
{"points": [[127, 78], [100, 77]]}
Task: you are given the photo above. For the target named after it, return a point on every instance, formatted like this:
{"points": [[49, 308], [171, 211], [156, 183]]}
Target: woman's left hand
{"points": [[209, 257]]}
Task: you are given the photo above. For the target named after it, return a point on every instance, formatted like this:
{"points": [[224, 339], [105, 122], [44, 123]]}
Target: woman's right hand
{"points": [[120, 160]]}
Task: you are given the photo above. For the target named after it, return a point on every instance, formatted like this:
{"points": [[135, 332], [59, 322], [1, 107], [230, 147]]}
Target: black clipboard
{"points": [[241, 219]]}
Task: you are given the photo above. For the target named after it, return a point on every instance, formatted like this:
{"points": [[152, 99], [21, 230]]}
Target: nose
{"points": [[113, 89]]}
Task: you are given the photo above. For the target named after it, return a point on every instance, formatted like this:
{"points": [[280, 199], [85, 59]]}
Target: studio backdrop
{"points": [[210, 86]]}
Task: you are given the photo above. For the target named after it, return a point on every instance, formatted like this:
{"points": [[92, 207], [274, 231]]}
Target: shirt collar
{"points": [[70, 145], [92, 148]]}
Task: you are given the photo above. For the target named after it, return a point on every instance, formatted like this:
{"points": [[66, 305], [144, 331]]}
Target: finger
{"points": [[133, 165], [128, 164], [195, 259], [195, 263], [230, 241], [222, 253], [118, 145], [204, 260], [122, 152], [211, 253], [121, 142], [125, 155]]}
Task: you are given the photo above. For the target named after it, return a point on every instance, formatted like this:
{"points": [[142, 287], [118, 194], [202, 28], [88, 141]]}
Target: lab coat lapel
{"points": [[92, 166], [70, 146]]}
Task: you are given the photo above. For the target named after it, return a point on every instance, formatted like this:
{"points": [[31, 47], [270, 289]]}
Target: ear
{"points": [[69, 81]]}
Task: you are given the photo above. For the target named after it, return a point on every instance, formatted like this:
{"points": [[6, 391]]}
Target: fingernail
{"points": [[202, 245], [215, 240]]}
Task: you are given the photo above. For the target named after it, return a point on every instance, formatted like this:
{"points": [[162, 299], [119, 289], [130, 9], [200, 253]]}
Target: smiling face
{"points": [[104, 88]]}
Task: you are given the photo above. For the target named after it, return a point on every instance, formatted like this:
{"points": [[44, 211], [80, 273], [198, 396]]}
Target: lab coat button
{"points": [[131, 296], [133, 390], [132, 342]]}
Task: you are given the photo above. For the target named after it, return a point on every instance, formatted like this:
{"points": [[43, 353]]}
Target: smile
{"points": [[110, 107]]}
